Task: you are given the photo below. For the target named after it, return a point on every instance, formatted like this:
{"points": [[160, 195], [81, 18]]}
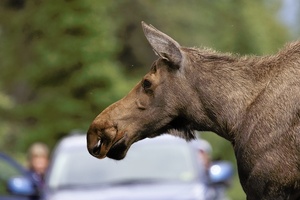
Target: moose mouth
{"points": [[118, 150]]}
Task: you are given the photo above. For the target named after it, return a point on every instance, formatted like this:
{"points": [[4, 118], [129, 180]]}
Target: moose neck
{"points": [[226, 86]]}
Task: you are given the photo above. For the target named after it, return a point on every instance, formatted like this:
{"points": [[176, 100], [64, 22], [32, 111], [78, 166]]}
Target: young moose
{"points": [[254, 102]]}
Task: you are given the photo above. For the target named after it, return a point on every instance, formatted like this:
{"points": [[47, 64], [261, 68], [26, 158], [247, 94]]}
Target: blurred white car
{"points": [[164, 167]]}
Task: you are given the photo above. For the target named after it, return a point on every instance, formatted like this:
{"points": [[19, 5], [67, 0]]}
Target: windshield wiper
{"points": [[135, 181], [112, 183], [84, 185], [68, 186]]}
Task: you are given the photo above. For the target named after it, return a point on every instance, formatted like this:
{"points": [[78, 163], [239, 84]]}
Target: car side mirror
{"points": [[221, 172], [21, 186]]}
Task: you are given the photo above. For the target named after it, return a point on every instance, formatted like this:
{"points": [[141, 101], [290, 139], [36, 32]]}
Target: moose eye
{"points": [[146, 84]]}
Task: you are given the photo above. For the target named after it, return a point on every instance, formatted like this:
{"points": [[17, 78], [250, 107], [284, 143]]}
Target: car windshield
{"points": [[143, 163]]}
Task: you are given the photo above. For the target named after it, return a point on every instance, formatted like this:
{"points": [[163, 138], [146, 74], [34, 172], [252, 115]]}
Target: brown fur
{"points": [[254, 102]]}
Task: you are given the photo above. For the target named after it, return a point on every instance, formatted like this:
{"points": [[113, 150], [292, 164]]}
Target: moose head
{"points": [[164, 101]]}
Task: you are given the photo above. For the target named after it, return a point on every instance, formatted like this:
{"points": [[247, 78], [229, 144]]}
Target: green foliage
{"points": [[58, 66], [238, 26]]}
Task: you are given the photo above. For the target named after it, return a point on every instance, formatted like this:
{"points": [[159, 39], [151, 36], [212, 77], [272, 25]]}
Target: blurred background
{"points": [[64, 61]]}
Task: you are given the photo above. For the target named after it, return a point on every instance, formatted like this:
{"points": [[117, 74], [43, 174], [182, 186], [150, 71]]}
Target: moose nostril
{"points": [[97, 148]]}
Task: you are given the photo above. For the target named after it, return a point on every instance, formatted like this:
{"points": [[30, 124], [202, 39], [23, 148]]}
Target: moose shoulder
{"points": [[254, 102]]}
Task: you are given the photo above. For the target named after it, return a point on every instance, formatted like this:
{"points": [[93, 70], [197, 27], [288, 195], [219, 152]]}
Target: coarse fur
{"points": [[252, 101]]}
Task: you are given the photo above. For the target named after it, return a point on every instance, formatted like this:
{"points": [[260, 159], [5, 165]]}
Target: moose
{"points": [[252, 101]]}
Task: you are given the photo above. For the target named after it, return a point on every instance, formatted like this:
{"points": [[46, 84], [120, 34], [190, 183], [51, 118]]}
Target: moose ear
{"points": [[163, 45]]}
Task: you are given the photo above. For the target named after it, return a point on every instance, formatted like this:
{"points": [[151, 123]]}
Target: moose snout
{"points": [[100, 138]]}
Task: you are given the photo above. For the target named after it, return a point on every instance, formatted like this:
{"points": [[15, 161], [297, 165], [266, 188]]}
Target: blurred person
{"points": [[38, 160], [204, 151]]}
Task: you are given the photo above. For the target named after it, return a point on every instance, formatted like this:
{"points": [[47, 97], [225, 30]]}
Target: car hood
{"points": [[134, 192]]}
